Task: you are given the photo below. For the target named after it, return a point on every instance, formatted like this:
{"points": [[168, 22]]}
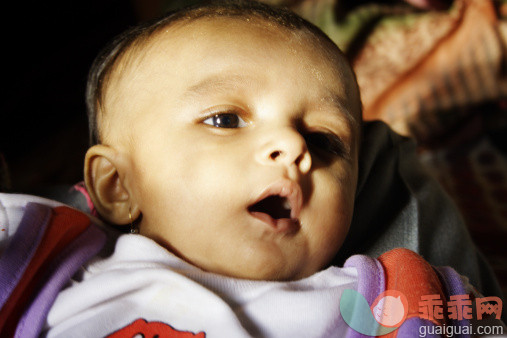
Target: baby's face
{"points": [[242, 143]]}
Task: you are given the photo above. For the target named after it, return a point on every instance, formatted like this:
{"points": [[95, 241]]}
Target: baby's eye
{"points": [[327, 142], [226, 120]]}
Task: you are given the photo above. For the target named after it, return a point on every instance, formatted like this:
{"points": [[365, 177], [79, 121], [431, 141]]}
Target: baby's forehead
{"points": [[187, 32], [196, 36], [182, 38]]}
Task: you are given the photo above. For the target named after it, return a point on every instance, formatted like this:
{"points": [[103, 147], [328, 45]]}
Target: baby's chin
{"points": [[275, 276], [266, 272]]}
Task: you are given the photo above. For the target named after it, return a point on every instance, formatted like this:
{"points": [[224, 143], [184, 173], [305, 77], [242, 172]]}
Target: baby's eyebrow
{"points": [[339, 103], [216, 83]]}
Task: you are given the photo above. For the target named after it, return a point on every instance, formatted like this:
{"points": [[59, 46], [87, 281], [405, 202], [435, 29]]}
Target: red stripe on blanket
{"points": [[65, 225]]}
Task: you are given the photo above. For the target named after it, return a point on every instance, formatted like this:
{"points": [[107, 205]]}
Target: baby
{"points": [[230, 136], [226, 136]]}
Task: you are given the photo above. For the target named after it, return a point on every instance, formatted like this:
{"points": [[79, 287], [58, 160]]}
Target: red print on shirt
{"points": [[151, 330]]}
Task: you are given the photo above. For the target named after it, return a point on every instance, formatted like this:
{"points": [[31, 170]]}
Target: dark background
{"points": [[48, 48]]}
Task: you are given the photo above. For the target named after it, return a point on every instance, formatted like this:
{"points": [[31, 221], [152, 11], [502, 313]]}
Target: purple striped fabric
{"points": [[22, 247], [371, 281], [60, 271]]}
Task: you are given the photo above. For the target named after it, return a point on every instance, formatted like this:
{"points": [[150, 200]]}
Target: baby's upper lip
{"points": [[288, 189]]}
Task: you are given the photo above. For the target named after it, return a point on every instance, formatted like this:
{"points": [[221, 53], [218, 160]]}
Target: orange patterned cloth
{"points": [[421, 71], [419, 78]]}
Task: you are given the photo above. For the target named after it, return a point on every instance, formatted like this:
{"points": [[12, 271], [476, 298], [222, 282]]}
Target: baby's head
{"points": [[230, 133]]}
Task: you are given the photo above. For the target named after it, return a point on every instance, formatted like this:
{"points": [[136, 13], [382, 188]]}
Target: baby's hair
{"points": [[104, 65]]}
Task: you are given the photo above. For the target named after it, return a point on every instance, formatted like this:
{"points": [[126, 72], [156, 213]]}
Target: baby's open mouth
{"points": [[275, 206], [279, 205]]}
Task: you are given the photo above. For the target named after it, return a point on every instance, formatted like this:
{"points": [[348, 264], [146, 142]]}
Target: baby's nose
{"points": [[285, 147]]}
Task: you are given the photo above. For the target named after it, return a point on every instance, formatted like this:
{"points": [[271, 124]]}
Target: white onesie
{"points": [[144, 288]]}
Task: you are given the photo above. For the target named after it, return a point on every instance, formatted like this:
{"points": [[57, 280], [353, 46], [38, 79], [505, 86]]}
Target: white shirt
{"points": [[142, 280]]}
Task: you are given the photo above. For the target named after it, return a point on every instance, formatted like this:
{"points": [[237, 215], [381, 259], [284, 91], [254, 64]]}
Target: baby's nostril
{"points": [[275, 154]]}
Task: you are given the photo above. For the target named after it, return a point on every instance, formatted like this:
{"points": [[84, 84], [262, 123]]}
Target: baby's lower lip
{"points": [[278, 225]]}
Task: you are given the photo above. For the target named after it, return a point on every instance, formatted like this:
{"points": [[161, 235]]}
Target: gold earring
{"points": [[133, 226]]}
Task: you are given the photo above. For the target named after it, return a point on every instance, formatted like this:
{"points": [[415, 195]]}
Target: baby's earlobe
{"points": [[104, 184]]}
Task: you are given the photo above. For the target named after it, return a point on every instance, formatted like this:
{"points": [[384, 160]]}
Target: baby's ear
{"points": [[104, 172]]}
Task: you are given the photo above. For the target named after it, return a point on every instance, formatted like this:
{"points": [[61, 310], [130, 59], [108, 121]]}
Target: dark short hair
{"points": [[104, 64]]}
